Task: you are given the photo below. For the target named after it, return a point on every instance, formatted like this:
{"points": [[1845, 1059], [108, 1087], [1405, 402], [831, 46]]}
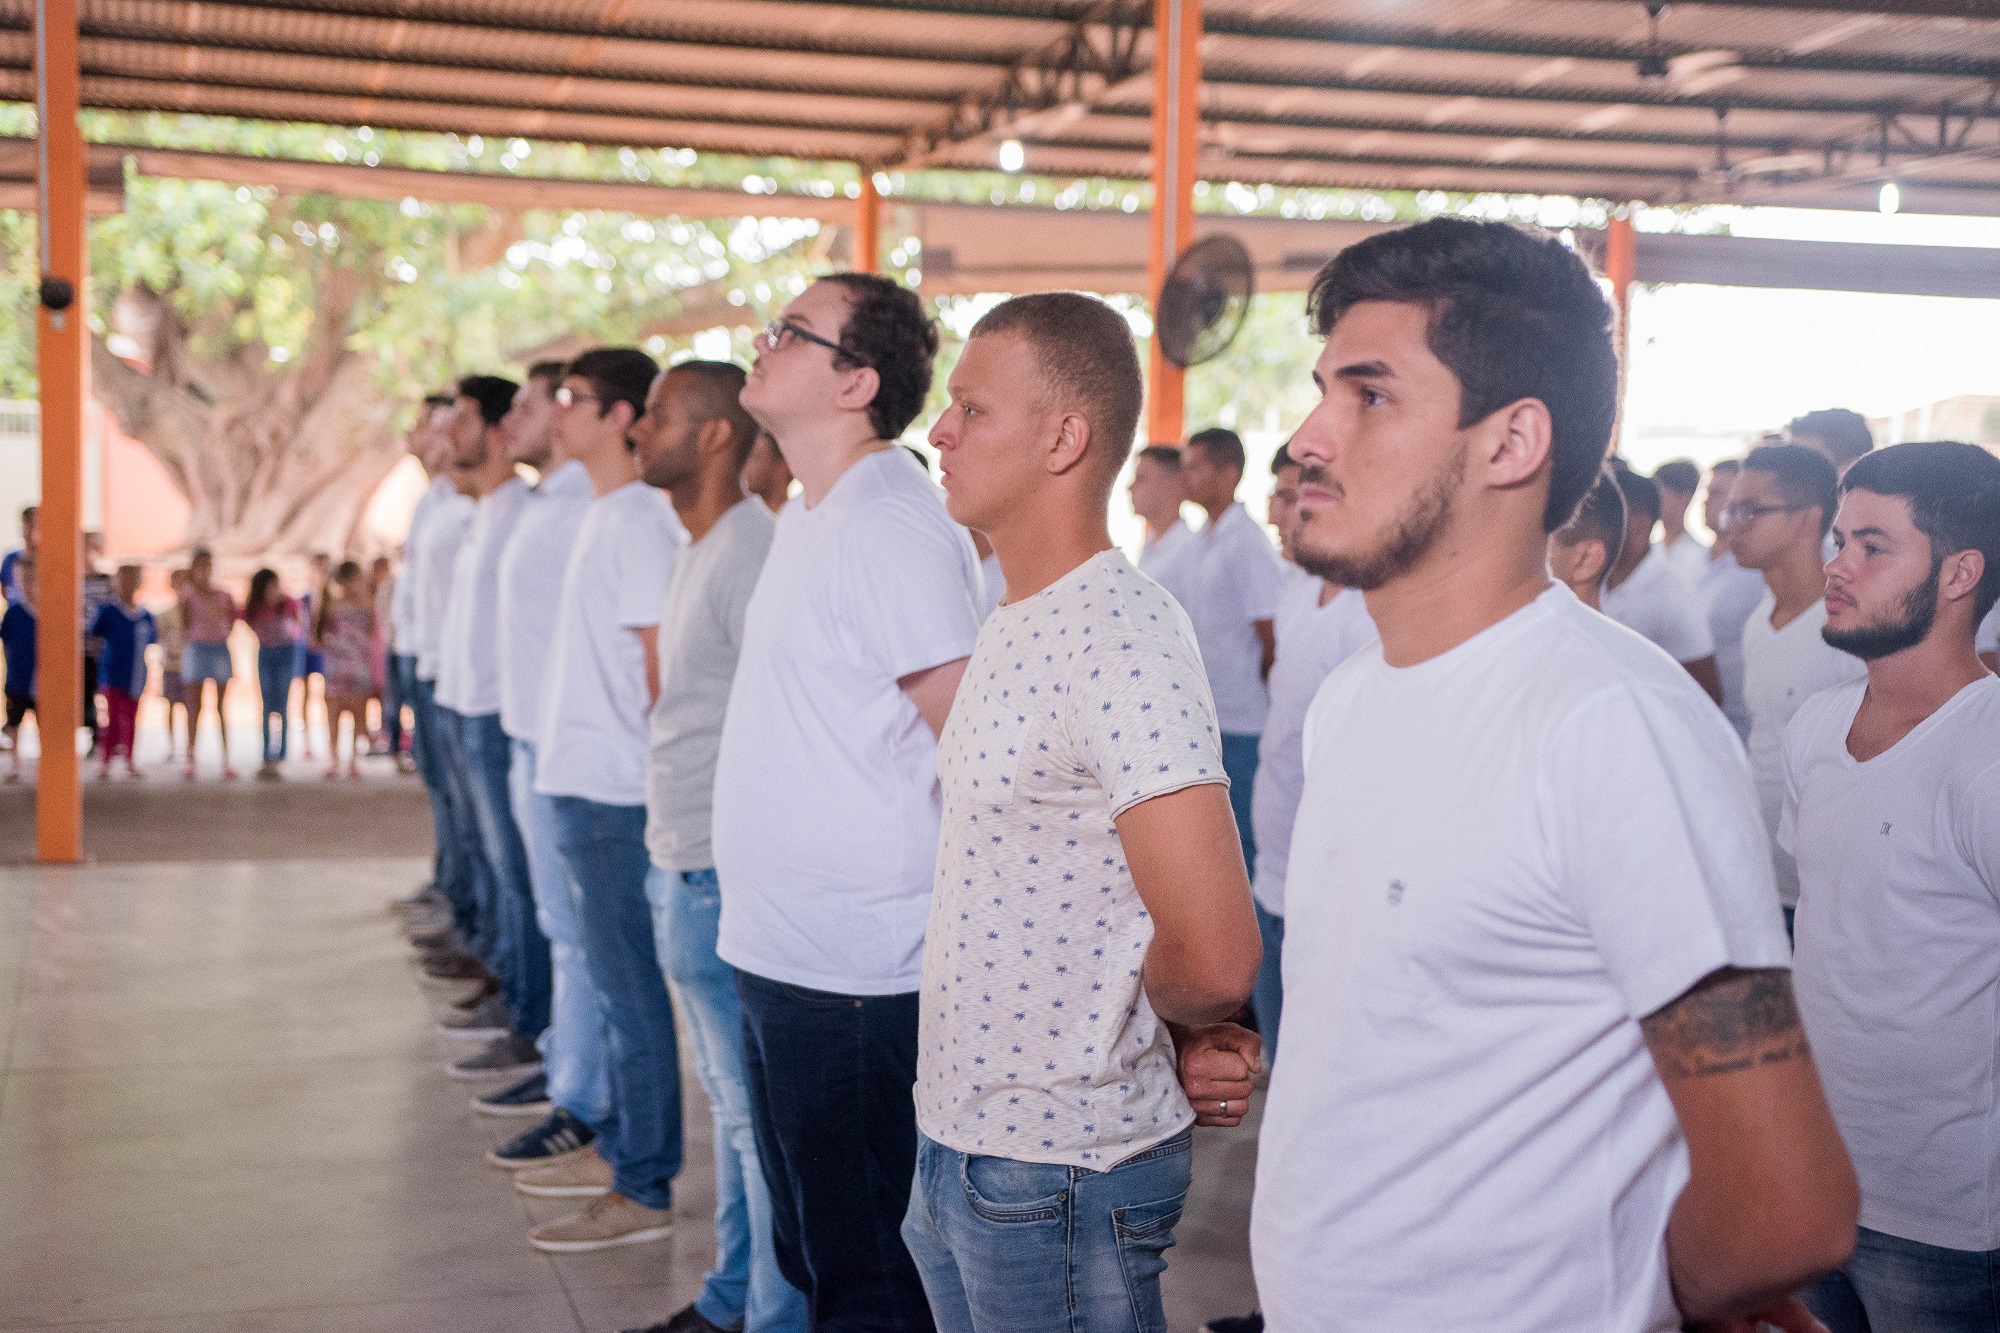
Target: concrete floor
{"points": [[223, 1106]]}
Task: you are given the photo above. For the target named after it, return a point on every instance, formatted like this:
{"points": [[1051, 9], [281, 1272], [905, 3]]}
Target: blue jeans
{"points": [[604, 850], [1267, 1001], [1892, 1285], [487, 938], [1239, 761], [489, 762], [745, 1287], [830, 1079], [451, 869], [274, 682], [399, 687], [573, 1045], [1024, 1247]]}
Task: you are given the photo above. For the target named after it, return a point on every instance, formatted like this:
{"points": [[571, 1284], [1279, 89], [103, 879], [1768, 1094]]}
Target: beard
{"points": [[1907, 626], [1406, 541]]}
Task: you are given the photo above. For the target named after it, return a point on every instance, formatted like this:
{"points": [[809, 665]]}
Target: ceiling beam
{"points": [[1942, 9]]}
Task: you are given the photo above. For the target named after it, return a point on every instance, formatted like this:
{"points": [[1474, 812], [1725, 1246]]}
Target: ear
{"points": [[1514, 443], [623, 413], [1593, 558], [1959, 576], [714, 437], [858, 389], [1071, 443]]}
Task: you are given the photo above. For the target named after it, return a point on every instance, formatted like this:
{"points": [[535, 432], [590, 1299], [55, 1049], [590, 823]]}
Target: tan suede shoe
{"points": [[608, 1220], [579, 1175]]}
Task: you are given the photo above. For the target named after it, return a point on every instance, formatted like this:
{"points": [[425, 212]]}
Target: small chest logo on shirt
{"points": [[1885, 828], [1395, 892]]}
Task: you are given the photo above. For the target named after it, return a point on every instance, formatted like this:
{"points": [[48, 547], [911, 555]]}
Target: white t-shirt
{"points": [[1506, 856], [469, 645], [1686, 556], [1168, 559], [1898, 970], [701, 634], [1660, 605], [593, 738], [1036, 1039], [826, 790], [993, 585], [403, 594], [1781, 670], [1730, 593], [1987, 639], [433, 561], [1233, 582], [532, 566], [1312, 641]]}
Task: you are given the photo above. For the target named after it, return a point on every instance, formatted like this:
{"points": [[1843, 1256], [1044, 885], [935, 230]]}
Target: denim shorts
{"points": [[206, 661]]}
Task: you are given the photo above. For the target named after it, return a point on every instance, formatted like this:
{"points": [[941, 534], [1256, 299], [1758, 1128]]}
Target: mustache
{"points": [[1315, 474]]}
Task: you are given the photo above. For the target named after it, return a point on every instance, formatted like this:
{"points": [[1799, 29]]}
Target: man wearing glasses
{"points": [[1776, 523], [602, 677], [826, 790]]}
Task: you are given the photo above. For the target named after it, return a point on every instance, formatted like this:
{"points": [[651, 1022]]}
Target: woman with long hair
{"points": [[273, 614]]}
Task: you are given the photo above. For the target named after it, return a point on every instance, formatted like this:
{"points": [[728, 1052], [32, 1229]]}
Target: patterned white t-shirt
{"points": [[1037, 1042]]}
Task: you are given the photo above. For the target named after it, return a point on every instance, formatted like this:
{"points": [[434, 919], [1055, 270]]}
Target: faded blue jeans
{"points": [[573, 1046], [274, 685], [1892, 1285], [745, 1287], [489, 763], [604, 849], [1024, 1247], [452, 867]]}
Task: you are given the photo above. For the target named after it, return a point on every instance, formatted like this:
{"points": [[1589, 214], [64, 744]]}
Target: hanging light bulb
{"points": [[1012, 156], [1890, 199]]}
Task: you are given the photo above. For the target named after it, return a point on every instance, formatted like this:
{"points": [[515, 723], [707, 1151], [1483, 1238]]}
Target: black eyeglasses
{"points": [[1745, 512], [778, 330]]}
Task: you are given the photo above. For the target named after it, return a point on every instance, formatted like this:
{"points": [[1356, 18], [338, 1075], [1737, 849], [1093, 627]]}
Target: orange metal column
{"points": [[59, 350], [1176, 145], [1621, 254], [868, 226]]}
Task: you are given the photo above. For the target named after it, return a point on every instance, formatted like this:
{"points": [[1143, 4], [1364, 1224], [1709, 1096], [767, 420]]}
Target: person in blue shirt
{"points": [[11, 562], [17, 639], [126, 630]]}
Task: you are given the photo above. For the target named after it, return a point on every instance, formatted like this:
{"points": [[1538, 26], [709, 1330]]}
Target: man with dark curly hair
{"points": [[826, 789]]}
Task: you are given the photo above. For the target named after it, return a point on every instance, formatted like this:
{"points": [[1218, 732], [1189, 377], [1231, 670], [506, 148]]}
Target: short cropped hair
{"points": [[1087, 361], [1726, 467], [1845, 434], [1167, 456], [717, 387], [1803, 477], [1642, 494], [1679, 475], [1953, 491], [616, 375], [493, 395], [1600, 515], [1283, 459], [1514, 314], [887, 330], [548, 372], [1223, 446]]}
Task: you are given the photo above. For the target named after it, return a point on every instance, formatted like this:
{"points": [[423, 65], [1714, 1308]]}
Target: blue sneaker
{"points": [[551, 1143], [528, 1097]]}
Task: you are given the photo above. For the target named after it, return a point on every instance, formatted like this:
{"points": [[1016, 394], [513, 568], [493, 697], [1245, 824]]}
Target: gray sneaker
{"points": [[504, 1057], [488, 1019]]}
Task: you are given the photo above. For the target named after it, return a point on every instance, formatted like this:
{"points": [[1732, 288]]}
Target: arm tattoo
{"points": [[1732, 1020]]}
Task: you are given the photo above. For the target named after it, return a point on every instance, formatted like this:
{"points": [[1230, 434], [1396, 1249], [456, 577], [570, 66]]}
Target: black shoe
{"points": [[687, 1320], [528, 1097], [504, 1057], [456, 967], [1236, 1323], [561, 1135]]}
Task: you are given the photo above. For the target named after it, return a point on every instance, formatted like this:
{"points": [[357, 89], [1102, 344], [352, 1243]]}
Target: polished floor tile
{"points": [[223, 1109]]}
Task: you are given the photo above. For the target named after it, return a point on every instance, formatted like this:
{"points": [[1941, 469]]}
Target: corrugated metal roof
{"points": [[1765, 101]]}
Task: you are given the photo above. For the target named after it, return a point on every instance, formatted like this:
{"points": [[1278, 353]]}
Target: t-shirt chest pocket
{"points": [[994, 746]]}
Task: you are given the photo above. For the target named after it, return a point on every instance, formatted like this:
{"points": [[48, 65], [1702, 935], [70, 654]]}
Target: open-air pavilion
{"points": [[296, 1034]]}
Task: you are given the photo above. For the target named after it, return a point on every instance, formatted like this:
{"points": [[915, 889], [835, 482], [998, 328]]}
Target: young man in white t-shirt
{"points": [[572, 1092], [1729, 593], [692, 443], [1643, 592], [1581, 550], [1157, 496], [826, 795], [1778, 518], [1892, 807], [1231, 596], [602, 676], [1540, 1070], [1089, 896], [1678, 480]]}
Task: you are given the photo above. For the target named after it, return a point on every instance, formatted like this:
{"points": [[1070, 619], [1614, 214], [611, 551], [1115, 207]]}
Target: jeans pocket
{"points": [[1145, 1233], [1004, 1191]]}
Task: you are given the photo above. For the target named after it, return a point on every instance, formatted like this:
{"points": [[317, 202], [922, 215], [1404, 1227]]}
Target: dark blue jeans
{"points": [[487, 938], [830, 1079], [452, 873], [1892, 1285], [529, 980], [604, 850], [1267, 1001], [274, 684], [1239, 761], [399, 687], [1025, 1247]]}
